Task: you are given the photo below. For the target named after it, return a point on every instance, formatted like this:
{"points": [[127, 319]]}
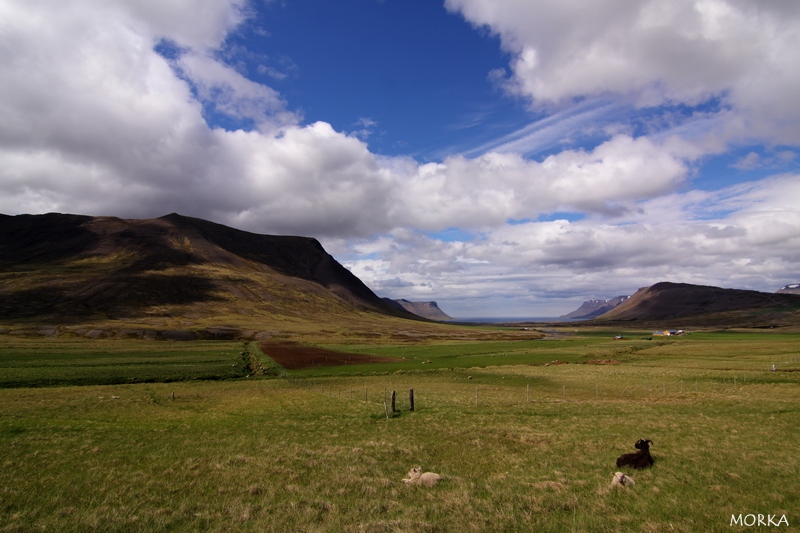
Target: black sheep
{"points": [[640, 459]]}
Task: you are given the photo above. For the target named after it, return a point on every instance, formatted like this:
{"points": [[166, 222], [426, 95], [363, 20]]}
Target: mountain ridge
{"points": [[667, 300], [429, 310], [594, 308], [792, 288], [55, 265]]}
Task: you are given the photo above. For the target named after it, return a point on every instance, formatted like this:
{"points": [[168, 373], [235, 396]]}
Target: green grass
{"points": [[453, 355], [46, 362], [313, 453], [723, 350]]}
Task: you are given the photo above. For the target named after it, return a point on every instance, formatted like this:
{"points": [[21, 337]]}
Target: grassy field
{"points": [[521, 447], [722, 350], [36, 362]]}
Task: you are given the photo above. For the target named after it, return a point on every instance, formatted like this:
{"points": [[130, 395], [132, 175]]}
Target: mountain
{"points": [[58, 268], [667, 300], [428, 310], [794, 288], [594, 308]]}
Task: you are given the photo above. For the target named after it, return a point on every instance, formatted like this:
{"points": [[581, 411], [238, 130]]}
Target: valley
{"points": [[176, 375], [524, 433]]}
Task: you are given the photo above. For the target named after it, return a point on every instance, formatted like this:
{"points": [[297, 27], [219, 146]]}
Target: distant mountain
{"points": [[673, 300], [428, 310], [794, 288], [594, 308], [58, 268]]}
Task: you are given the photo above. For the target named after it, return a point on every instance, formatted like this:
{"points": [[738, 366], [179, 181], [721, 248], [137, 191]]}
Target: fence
{"points": [[409, 394]]}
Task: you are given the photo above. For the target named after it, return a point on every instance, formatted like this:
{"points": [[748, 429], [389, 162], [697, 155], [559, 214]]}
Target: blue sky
{"points": [[504, 158], [410, 78]]}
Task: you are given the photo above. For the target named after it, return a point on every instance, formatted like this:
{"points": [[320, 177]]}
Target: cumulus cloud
{"points": [[490, 189], [95, 121], [105, 125], [744, 236], [87, 108], [230, 93], [657, 52]]}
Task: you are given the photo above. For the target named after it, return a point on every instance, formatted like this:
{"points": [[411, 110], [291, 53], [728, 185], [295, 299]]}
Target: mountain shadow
{"points": [[58, 267]]}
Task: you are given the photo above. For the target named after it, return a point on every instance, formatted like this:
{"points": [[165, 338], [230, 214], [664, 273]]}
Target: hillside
{"points": [[678, 300], [429, 310], [594, 308], [57, 268]]}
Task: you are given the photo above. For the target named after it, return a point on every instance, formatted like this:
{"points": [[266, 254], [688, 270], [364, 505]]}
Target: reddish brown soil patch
{"points": [[292, 356], [603, 362]]}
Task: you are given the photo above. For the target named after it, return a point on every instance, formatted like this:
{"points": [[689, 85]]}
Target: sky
{"points": [[505, 158]]}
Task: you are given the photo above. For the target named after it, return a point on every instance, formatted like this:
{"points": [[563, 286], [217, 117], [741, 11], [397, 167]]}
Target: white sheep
{"points": [[622, 481], [416, 477]]}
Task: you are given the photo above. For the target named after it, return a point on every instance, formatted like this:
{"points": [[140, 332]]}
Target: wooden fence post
{"points": [[410, 399], [394, 396]]}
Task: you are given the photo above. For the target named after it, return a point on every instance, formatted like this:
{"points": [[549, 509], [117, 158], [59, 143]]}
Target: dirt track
{"points": [[293, 356]]}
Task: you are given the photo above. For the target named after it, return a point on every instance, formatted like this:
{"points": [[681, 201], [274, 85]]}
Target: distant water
{"points": [[498, 319]]}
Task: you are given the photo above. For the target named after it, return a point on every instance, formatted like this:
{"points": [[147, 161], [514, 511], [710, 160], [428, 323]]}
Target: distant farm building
{"points": [[668, 333]]}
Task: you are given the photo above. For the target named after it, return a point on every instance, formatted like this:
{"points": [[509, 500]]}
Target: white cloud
{"points": [[774, 160], [309, 180], [489, 190], [365, 128], [107, 126], [198, 24], [546, 268], [88, 107], [234, 95], [680, 51], [750, 161], [95, 121]]}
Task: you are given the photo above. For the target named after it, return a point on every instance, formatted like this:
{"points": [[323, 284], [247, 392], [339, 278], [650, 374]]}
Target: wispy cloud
{"points": [[559, 129], [365, 127]]}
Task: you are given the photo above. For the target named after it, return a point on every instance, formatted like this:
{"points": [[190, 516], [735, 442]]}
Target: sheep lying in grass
{"points": [[622, 481], [640, 459], [416, 477]]}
